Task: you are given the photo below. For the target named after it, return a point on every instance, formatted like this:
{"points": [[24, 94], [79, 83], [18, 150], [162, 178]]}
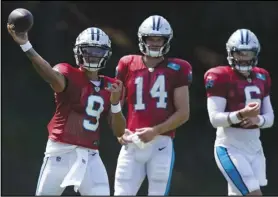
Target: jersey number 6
{"points": [[248, 90]]}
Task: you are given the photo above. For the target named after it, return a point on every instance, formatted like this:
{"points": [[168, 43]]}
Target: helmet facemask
{"points": [[154, 51], [243, 60], [92, 57]]}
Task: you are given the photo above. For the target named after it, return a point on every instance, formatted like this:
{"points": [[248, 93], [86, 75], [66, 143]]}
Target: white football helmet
{"points": [[155, 26], [243, 48], [92, 49]]}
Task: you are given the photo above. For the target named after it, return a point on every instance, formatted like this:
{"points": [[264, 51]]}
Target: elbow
{"points": [[269, 121], [272, 120], [119, 131], [219, 119], [216, 123], [213, 122], [185, 116], [271, 124]]}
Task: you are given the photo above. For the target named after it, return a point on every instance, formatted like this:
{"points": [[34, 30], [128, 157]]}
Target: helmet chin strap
{"points": [[245, 70], [91, 66], [153, 53], [91, 69]]}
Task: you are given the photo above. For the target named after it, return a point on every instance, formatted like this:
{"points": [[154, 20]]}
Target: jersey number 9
{"points": [[93, 102]]}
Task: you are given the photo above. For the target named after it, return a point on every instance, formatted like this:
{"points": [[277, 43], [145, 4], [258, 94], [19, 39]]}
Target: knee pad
{"points": [[159, 172], [102, 190], [124, 169]]}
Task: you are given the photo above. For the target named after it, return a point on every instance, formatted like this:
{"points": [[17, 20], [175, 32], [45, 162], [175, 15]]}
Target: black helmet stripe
{"points": [[93, 33], [241, 36], [158, 23], [153, 22], [98, 34], [247, 37]]}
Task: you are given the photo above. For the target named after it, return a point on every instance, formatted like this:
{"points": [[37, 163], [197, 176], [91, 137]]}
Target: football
{"points": [[22, 20]]}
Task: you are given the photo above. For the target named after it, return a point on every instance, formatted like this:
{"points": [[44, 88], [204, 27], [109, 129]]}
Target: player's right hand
{"points": [[124, 140], [19, 38], [251, 110]]}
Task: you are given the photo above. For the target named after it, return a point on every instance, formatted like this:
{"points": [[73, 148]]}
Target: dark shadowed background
{"points": [[201, 30]]}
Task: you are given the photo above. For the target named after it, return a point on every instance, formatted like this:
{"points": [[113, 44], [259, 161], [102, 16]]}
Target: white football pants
{"points": [[156, 161], [244, 172], [55, 168]]}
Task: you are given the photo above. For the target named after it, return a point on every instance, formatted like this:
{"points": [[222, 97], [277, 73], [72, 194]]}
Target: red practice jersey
{"points": [[224, 81], [150, 92], [79, 109]]}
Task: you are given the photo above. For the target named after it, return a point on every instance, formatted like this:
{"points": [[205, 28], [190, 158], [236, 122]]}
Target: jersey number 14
{"points": [[157, 91]]}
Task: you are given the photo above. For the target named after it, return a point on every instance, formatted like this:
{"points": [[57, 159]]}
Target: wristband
{"points": [[116, 108], [25, 47], [233, 117], [262, 121]]}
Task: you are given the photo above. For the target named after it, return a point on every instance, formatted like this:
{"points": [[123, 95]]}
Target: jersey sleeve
{"points": [[64, 69], [267, 84], [184, 77], [216, 84]]}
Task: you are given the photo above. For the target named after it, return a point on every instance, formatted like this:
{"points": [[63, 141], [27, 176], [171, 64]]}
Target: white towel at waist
{"points": [[77, 172]]}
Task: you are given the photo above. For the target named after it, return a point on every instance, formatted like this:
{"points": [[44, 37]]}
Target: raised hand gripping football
{"points": [[20, 21], [19, 38]]}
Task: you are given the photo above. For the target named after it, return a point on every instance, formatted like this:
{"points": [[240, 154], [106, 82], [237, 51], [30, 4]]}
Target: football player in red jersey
{"points": [[238, 102], [157, 98], [82, 98]]}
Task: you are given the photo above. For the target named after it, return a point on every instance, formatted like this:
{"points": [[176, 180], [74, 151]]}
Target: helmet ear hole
{"points": [[144, 39], [80, 59]]}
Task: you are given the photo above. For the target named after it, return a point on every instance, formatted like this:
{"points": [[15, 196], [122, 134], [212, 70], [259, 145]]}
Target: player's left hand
{"points": [[146, 134], [247, 122], [116, 92]]}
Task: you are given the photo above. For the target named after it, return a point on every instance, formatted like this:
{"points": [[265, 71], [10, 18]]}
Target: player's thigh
{"points": [[237, 170], [259, 168], [95, 181], [53, 172], [160, 167], [129, 173]]}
